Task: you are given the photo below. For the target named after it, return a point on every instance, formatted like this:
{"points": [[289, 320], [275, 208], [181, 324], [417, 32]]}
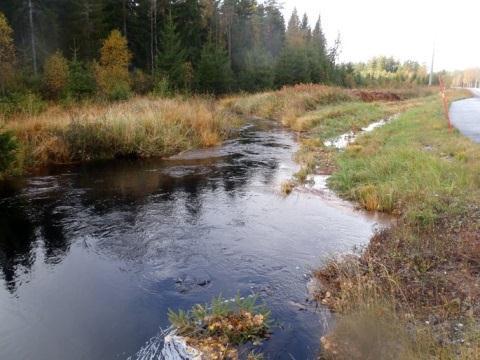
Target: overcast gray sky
{"points": [[405, 29]]}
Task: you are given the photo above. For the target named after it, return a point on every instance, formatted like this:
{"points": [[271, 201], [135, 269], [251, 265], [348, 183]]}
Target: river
{"points": [[92, 256]]}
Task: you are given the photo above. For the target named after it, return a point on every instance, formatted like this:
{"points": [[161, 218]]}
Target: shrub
{"points": [[111, 73], [217, 328], [81, 80], [7, 54], [55, 75], [8, 146], [141, 82], [27, 103], [161, 86]]}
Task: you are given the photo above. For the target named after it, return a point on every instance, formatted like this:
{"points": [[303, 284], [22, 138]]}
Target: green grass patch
{"points": [[332, 120], [412, 166], [418, 280]]}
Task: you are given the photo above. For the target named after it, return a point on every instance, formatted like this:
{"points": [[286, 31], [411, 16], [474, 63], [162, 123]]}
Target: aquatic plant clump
{"points": [[216, 329]]}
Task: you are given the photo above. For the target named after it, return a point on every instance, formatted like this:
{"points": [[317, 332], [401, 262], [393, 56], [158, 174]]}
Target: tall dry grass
{"points": [[140, 127], [287, 104]]}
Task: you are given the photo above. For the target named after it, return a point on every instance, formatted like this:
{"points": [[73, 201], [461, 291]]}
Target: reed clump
{"points": [[218, 328]]}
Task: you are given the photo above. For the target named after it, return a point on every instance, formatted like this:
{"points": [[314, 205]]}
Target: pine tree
{"points": [[7, 54], [171, 60], [111, 74], [55, 74]]}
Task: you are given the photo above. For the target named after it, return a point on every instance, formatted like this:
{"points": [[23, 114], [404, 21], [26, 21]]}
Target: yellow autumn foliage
{"points": [[113, 79], [7, 54], [55, 74]]}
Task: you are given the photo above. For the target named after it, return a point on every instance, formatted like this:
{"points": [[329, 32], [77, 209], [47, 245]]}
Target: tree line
{"points": [[172, 45], [78, 48]]}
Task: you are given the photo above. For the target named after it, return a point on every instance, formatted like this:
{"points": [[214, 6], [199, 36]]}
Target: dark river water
{"points": [[92, 256]]}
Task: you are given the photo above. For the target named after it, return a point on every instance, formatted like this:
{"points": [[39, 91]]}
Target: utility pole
{"points": [[430, 79]]}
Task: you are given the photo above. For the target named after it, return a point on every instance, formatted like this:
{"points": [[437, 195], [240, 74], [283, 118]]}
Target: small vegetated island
{"points": [[145, 79]]}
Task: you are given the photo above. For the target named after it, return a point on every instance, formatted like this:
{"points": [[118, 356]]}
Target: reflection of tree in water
{"points": [[123, 187], [127, 185], [16, 236], [22, 225], [55, 242]]}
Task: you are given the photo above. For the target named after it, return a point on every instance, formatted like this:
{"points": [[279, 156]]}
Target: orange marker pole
{"points": [[445, 103]]}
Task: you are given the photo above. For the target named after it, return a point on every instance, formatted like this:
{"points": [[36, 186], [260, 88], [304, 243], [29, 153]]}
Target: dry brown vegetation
{"points": [[287, 104], [140, 127]]}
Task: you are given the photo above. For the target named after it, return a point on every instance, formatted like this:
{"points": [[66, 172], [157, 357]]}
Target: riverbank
{"points": [[141, 127], [145, 127], [413, 292], [319, 113]]}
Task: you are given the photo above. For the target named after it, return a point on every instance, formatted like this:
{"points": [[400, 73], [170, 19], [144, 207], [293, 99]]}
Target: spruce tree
{"points": [[318, 56], [305, 28], [81, 80], [171, 60], [214, 74], [293, 66]]}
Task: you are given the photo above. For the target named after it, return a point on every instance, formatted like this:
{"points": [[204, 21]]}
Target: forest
{"points": [[75, 49]]}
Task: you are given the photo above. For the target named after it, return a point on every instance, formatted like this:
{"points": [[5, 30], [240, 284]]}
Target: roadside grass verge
{"points": [[140, 127], [330, 121], [413, 166], [414, 292]]}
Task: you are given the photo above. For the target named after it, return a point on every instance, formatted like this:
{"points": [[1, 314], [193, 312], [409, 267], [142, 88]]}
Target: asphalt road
{"points": [[465, 116]]}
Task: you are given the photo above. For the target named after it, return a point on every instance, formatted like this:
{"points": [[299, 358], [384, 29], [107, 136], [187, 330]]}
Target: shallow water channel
{"points": [[92, 256]]}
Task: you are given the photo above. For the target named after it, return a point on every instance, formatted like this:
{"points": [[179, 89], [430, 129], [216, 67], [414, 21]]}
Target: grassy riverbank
{"points": [[414, 291], [140, 127], [320, 113], [297, 106]]}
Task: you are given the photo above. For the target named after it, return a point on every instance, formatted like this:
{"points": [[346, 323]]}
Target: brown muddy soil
{"points": [[371, 95]]}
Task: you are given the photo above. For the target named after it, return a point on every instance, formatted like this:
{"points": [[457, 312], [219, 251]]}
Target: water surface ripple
{"points": [[92, 256]]}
